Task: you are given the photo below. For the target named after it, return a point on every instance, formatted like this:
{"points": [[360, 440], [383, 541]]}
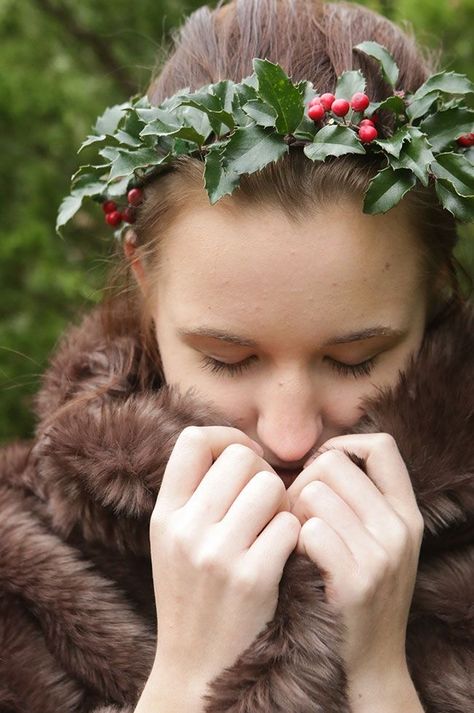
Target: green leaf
{"points": [[277, 89], [86, 185], [107, 123], [349, 83], [448, 82], [444, 127], [251, 148], [68, 208], [460, 207], [457, 170], [118, 186], [334, 140], [415, 155], [218, 180], [393, 145], [393, 103], [261, 112], [387, 188], [419, 107], [387, 63], [225, 91], [124, 138], [211, 105], [128, 161]]}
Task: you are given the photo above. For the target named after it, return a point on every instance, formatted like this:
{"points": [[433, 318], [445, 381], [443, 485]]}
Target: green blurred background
{"points": [[61, 63]]}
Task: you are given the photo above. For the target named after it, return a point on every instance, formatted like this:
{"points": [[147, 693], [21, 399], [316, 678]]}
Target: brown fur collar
{"points": [[77, 606]]}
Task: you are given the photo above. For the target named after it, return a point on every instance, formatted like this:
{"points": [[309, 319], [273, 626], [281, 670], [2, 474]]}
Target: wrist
{"points": [[387, 692], [168, 689]]}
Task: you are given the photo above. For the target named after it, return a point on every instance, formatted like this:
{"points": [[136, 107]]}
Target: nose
{"points": [[289, 423]]}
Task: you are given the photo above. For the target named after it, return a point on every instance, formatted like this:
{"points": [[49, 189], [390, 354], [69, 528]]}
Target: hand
{"points": [[364, 532], [221, 533]]}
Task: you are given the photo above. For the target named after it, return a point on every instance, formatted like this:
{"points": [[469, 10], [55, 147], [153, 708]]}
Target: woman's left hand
{"points": [[364, 532]]}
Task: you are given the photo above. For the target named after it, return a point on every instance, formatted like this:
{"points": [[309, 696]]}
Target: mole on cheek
{"points": [[386, 267]]}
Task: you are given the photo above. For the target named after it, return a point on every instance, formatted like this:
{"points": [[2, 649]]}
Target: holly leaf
{"points": [[393, 145], [460, 207], [251, 148], [448, 82], [349, 83], [218, 180], [86, 185], [418, 107], [457, 170], [416, 155], [126, 162], [108, 122], [387, 189], [444, 127], [334, 140], [387, 63], [277, 89], [262, 113], [393, 103]]}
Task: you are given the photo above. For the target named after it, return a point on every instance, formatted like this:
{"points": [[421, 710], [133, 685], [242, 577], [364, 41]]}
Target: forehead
{"points": [[335, 264]]}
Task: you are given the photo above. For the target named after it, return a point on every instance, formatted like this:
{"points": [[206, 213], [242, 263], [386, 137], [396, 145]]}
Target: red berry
{"points": [[327, 100], [366, 122], [109, 206], [314, 100], [340, 107], [129, 214], [466, 140], [367, 133], [360, 101], [316, 112], [134, 196], [113, 218]]}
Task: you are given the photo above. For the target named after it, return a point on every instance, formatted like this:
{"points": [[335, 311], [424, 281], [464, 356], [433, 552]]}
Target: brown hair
{"points": [[310, 40]]}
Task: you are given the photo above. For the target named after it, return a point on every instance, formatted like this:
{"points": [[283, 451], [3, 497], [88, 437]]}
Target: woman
{"points": [[286, 438]]}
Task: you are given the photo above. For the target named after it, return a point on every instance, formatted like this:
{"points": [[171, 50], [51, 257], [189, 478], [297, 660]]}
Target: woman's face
{"points": [[286, 328]]}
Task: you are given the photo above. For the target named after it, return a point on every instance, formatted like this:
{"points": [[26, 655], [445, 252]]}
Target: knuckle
{"points": [[245, 581], [192, 434], [209, 560], [314, 489], [384, 441], [272, 480], [330, 458], [237, 451]]}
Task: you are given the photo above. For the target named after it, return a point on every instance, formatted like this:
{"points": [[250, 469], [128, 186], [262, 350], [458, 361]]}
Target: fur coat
{"points": [[77, 615]]}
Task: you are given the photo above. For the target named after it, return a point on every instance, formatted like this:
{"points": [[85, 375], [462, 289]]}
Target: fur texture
{"points": [[77, 617]]}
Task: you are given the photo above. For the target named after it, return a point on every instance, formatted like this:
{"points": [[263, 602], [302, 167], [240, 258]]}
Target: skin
{"points": [[298, 291]]}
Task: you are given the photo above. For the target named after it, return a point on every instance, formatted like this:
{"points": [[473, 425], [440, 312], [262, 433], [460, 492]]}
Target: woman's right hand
{"points": [[221, 533]]}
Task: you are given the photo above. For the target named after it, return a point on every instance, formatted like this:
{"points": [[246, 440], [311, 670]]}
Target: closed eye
{"points": [[215, 366]]}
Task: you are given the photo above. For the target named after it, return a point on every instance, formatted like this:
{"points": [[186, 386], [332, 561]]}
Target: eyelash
{"points": [[364, 368]]}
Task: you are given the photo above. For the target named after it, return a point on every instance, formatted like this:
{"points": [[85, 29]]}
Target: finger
{"points": [[319, 500], [324, 547], [257, 503], [193, 454], [385, 467], [223, 482], [273, 546], [336, 470]]}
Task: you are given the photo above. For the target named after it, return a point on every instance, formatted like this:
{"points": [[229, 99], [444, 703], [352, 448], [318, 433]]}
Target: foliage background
{"points": [[61, 63]]}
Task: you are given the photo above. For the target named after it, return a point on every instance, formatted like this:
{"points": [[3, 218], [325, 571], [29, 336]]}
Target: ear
{"points": [[130, 249]]}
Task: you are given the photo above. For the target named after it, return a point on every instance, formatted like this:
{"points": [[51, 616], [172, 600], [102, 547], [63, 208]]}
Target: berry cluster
{"points": [[114, 216], [318, 107]]}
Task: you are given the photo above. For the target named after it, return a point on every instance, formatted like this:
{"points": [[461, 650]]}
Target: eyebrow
{"points": [[225, 336]]}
